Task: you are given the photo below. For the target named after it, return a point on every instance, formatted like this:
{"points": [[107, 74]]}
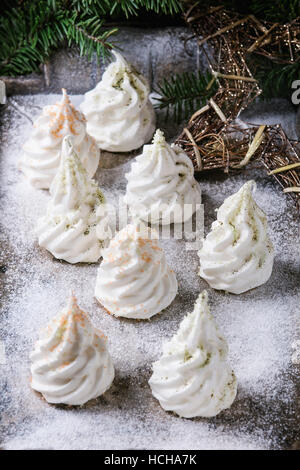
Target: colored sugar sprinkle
{"points": [[260, 325]]}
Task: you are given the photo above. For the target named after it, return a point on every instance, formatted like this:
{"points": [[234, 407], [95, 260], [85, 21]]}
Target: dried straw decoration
{"points": [[212, 138], [280, 156], [232, 147]]}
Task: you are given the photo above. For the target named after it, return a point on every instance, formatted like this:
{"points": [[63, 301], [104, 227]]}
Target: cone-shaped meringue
{"points": [[237, 255], [134, 280], [75, 227], [42, 151], [193, 378], [70, 361], [119, 114], [161, 185]]}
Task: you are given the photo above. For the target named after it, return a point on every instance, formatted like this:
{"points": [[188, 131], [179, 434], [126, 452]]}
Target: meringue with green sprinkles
{"points": [[237, 254], [75, 227], [134, 279], [161, 187], [70, 363], [193, 377], [119, 113], [42, 151]]}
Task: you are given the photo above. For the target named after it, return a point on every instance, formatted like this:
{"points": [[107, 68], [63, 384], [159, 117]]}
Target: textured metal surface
{"points": [[156, 52], [260, 325]]}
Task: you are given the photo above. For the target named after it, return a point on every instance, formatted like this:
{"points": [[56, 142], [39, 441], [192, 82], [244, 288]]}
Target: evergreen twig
{"points": [[28, 36], [183, 94], [30, 30]]}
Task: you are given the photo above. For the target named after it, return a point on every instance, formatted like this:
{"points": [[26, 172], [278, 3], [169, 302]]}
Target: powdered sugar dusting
{"points": [[259, 325]]}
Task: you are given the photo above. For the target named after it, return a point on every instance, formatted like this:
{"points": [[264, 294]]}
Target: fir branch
{"points": [[27, 37], [166, 7], [127, 7], [90, 35], [89, 44], [31, 30], [276, 80], [91, 7], [281, 11], [183, 94]]}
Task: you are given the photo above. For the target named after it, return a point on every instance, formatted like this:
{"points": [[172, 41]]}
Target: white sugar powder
{"points": [[259, 325]]}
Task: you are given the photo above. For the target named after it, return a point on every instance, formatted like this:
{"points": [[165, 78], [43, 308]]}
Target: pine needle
{"points": [[182, 95]]}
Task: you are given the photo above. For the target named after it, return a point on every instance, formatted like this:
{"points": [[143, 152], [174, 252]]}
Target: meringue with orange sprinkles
{"points": [[75, 227], [42, 152], [70, 362], [134, 280]]}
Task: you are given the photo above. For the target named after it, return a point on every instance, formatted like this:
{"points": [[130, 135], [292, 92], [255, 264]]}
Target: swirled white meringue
{"points": [[70, 361], [42, 151], [237, 255], [75, 227], [193, 378], [161, 185], [119, 114], [134, 280]]}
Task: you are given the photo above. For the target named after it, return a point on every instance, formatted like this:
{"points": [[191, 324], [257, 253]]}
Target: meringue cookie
{"points": [[119, 114], [161, 185], [42, 151], [75, 227], [70, 362], [134, 280], [237, 255], [193, 378]]}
